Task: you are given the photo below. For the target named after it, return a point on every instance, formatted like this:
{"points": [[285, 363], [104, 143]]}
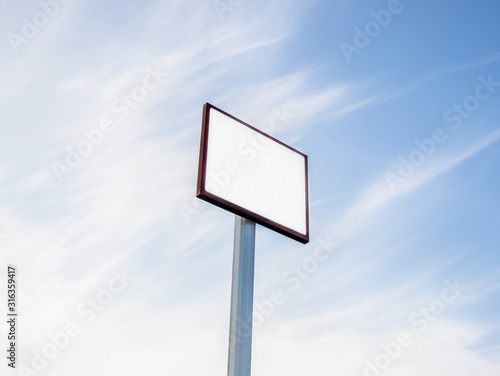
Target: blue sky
{"points": [[404, 158]]}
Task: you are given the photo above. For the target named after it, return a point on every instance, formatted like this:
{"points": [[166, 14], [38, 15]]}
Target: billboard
{"points": [[252, 174]]}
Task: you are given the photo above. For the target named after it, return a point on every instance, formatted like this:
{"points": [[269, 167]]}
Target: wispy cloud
{"points": [[436, 74], [379, 194]]}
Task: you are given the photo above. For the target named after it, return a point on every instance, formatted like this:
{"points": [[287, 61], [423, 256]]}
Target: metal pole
{"points": [[240, 327]]}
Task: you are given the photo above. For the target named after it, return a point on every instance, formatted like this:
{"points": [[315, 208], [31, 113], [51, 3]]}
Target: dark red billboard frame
{"points": [[236, 209]]}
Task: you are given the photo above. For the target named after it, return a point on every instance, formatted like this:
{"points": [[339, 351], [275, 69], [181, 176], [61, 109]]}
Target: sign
{"points": [[253, 175]]}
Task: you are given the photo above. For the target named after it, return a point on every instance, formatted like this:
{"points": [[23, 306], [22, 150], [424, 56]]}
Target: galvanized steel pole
{"points": [[240, 327]]}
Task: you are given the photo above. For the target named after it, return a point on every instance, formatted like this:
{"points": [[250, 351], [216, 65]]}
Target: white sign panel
{"points": [[252, 174]]}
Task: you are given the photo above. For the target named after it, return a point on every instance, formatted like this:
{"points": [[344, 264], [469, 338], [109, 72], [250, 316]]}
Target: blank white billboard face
{"points": [[253, 175]]}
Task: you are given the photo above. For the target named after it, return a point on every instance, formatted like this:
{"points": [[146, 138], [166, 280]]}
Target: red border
{"points": [[236, 209]]}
